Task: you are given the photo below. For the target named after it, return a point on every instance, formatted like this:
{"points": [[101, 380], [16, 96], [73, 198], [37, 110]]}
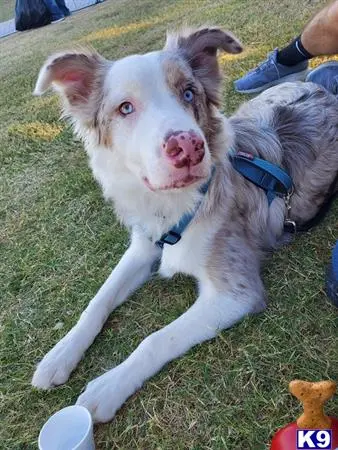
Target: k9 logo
{"points": [[314, 439]]}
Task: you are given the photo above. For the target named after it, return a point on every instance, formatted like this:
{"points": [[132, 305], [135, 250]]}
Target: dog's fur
{"points": [[293, 125]]}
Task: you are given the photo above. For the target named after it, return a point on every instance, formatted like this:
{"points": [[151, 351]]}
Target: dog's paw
{"points": [[106, 394], [57, 365]]}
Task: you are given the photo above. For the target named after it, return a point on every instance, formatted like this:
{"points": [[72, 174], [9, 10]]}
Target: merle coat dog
{"points": [[153, 133]]}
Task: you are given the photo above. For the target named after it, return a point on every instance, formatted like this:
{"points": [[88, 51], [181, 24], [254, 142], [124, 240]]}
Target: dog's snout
{"points": [[184, 148]]}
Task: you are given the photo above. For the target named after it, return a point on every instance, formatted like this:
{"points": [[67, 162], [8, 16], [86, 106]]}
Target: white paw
{"points": [[106, 394], [58, 363]]}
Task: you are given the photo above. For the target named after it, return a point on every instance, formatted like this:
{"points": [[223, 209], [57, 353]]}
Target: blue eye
{"points": [[188, 95], [126, 108]]}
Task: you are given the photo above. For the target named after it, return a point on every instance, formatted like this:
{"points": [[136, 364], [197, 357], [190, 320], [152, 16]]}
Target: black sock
{"points": [[293, 53]]}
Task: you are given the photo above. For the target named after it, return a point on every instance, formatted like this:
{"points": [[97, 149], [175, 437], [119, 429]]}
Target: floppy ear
{"points": [[204, 41], [199, 48], [78, 78]]}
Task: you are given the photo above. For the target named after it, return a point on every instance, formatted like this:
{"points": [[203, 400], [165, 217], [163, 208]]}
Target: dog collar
{"points": [[175, 233]]}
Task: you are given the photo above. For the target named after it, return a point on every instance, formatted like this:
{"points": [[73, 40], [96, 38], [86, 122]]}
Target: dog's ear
{"points": [[199, 48], [78, 78], [204, 41]]}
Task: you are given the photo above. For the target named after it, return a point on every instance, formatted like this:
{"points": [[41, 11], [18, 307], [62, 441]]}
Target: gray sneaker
{"points": [[269, 73], [326, 75]]}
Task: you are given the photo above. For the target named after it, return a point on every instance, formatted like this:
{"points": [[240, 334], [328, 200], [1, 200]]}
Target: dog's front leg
{"points": [[211, 313], [133, 269]]}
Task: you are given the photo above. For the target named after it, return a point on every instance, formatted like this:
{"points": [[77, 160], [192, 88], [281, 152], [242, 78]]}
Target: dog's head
{"points": [[155, 111]]}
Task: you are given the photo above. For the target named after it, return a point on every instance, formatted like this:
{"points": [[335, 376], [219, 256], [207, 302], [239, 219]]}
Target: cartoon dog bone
{"points": [[313, 396]]}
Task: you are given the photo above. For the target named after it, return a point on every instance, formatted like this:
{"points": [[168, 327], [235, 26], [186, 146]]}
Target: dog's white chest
{"points": [[190, 254]]}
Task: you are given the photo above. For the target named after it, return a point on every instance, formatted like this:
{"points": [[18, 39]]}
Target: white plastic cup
{"points": [[70, 428]]}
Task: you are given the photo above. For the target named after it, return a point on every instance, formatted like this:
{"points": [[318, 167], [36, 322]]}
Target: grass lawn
{"points": [[60, 241]]}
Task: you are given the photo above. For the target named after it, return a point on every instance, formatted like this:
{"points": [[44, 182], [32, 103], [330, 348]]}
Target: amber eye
{"points": [[126, 108], [188, 95]]}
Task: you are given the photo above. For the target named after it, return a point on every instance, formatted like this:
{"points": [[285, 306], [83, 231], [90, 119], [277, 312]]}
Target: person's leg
{"points": [[54, 10], [320, 37], [61, 4]]}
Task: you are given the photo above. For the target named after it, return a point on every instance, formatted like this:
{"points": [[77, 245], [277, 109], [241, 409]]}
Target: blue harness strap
{"points": [[267, 176], [175, 233]]}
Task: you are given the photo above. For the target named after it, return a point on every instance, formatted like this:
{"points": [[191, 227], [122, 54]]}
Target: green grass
{"points": [[60, 240], [7, 10]]}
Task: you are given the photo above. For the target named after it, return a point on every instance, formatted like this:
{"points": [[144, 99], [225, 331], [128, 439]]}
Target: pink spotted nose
{"points": [[183, 148]]}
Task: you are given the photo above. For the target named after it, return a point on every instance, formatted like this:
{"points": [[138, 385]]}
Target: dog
{"points": [[160, 148]]}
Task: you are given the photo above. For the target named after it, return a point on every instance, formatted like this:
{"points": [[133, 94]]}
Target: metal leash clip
{"points": [[289, 225]]}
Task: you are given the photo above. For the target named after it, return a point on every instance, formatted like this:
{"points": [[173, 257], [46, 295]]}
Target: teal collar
{"points": [[175, 233]]}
